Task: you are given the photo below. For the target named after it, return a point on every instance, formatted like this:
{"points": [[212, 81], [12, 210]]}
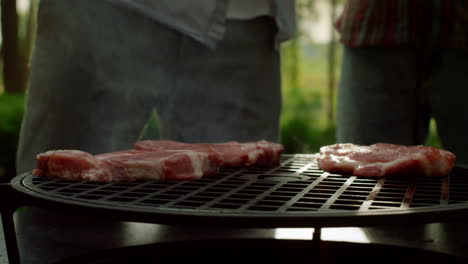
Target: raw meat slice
{"points": [[383, 159], [234, 154], [260, 153], [214, 158], [237, 154], [272, 153], [157, 160], [129, 165], [159, 165], [71, 165]]}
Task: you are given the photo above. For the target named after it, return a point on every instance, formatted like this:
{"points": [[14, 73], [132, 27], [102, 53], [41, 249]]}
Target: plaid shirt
{"points": [[404, 22]]}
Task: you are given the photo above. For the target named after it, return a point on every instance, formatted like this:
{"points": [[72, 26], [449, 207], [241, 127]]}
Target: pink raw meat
{"points": [[234, 154], [128, 165], [272, 153], [156, 160], [157, 145], [71, 165], [379, 160]]}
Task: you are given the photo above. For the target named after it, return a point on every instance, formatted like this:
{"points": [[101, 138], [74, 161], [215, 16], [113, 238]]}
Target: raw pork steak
{"points": [[382, 159], [156, 160], [128, 165], [234, 154]]}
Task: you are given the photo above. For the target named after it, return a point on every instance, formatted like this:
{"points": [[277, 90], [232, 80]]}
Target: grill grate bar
{"points": [[301, 194], [277, 186], [242, 186], [444, 193], [224, 196], [149, 195], [69, 185], [109, 196], [81, 193], [337, 194], [248, 204], [306, 167], [373, 194], [409, 194], [207, 186], [127, 190]]}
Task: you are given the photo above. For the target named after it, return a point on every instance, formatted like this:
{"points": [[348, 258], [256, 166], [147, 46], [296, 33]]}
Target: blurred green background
{"points": [[310, 68]]}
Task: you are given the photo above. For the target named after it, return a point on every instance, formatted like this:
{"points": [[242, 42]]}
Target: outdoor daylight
{"points": [[310, 72], [251, 131]]}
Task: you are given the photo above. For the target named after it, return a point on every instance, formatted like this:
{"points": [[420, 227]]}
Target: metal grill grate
{"points": [[296, 186]]}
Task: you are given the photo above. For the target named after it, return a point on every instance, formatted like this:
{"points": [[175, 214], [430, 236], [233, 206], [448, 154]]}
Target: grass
{"points": [[11, 113]]}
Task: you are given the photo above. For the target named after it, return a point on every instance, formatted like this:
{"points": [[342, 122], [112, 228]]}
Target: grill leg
{"points": [[317, 235], [320, 247], [8, 206], [9, 232]]}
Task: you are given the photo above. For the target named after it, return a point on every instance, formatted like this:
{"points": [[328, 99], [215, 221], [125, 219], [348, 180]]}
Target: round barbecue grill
{"points": [[294, 194]]}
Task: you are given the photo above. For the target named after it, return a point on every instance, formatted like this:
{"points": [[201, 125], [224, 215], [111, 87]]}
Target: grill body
{"points": [[295, 194]]}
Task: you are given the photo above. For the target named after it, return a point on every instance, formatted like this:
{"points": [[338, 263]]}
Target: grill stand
{"points": [[10, 201], [317, 235], [320, 248], [8, 206], [264, 190]]}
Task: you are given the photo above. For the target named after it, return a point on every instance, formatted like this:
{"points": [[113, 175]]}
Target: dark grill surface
{"points": [[295, 194], [298, 185]]}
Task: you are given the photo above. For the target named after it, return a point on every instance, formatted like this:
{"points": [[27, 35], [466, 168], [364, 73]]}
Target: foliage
{"points": [[309, 72], [11, 113], [18, 33], [433, 139], [151, 129], [305, 127], [302, 131]]}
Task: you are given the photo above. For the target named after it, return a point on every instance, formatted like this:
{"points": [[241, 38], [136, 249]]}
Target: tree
{"points": [[28, 39], [331, 65], [12, 62], [292, 50]]}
